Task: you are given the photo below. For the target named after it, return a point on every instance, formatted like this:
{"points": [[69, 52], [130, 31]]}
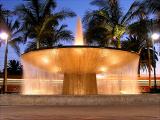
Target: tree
{"points": [[13, 29], [40, 20], [133, 43], [59, 33], [153, 7], [110, 19], [15, 37], [14, 68], [141, 29]]}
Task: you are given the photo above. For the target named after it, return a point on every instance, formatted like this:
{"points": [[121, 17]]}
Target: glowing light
{"points": [[101, 76], [114, 37], [103, 69], [45, 60], [4, 36], [155, 36], [123, 92]]}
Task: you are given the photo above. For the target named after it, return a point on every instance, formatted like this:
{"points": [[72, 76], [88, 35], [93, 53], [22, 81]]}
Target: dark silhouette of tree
{"points": [[153, 7], [14, 67], [58, 34], [41, 22], [133, 43]]}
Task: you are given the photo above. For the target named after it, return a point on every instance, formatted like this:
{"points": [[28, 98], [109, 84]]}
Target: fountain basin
{"points": [[79, 65], [80, 59]]}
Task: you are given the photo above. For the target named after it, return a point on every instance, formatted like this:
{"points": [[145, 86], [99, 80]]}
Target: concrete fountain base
{"points": [[143, 99]]}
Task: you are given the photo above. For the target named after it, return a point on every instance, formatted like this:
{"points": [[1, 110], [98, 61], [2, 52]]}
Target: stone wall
{"points": [[80, 100]]}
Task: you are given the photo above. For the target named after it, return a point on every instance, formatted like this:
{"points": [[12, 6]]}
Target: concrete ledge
{"points": [[152, 99]]}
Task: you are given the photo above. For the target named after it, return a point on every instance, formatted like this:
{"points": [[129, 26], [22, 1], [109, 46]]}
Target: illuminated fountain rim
{"points": [[79, 46], [61, 62]]}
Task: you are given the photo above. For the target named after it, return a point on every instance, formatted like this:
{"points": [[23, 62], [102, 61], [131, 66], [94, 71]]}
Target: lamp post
{"points": [[154, 36], [4, 36]]}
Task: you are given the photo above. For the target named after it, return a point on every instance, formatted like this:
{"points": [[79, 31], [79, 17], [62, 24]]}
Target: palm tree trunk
{"points": [[5, 68], [149, 62], [139, 69], [38, 44], [118, 42]]}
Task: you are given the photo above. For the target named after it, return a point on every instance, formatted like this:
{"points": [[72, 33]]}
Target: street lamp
{"points": [[4, 36], [154, 36]]}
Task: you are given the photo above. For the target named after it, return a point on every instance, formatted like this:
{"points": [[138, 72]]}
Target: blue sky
{"points": [[78, 6]]}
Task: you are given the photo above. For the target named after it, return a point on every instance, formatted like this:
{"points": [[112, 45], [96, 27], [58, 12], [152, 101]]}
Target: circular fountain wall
{"points": [[80, 70]]}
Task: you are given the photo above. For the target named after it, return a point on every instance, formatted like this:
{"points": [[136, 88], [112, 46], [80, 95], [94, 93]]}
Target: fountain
{"points": [[80, 70]]}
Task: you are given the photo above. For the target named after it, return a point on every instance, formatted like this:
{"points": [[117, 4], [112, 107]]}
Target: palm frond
{"points": [[14, 44], [63, 34], [48, 6], [129, 15], [15, 25], [133, 43], [152, 5], [30, 46], [25, 14], [64, 13], [39, 21], [115, 11], [99, 3]]}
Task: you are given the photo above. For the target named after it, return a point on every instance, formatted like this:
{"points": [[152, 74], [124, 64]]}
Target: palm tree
{"points": [[58, 34], [134, 43], [13, 29], [110, 19], [14, 68], [141, 28], [15, 37], [153, 7], [40, 19]]}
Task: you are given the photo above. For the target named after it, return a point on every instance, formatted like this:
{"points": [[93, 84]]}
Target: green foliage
{"points": [[40, 21], [110, 17], [12, 28], [60, 33], [15, 38], [134, 43]]}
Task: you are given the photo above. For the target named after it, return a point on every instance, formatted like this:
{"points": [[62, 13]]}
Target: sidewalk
{"points": [[142, 112]]}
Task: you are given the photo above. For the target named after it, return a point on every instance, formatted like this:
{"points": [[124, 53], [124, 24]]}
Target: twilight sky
{"points": [[78, 6]]}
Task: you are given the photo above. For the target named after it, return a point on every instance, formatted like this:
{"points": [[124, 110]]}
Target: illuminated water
{"points": [[80, 70]]}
